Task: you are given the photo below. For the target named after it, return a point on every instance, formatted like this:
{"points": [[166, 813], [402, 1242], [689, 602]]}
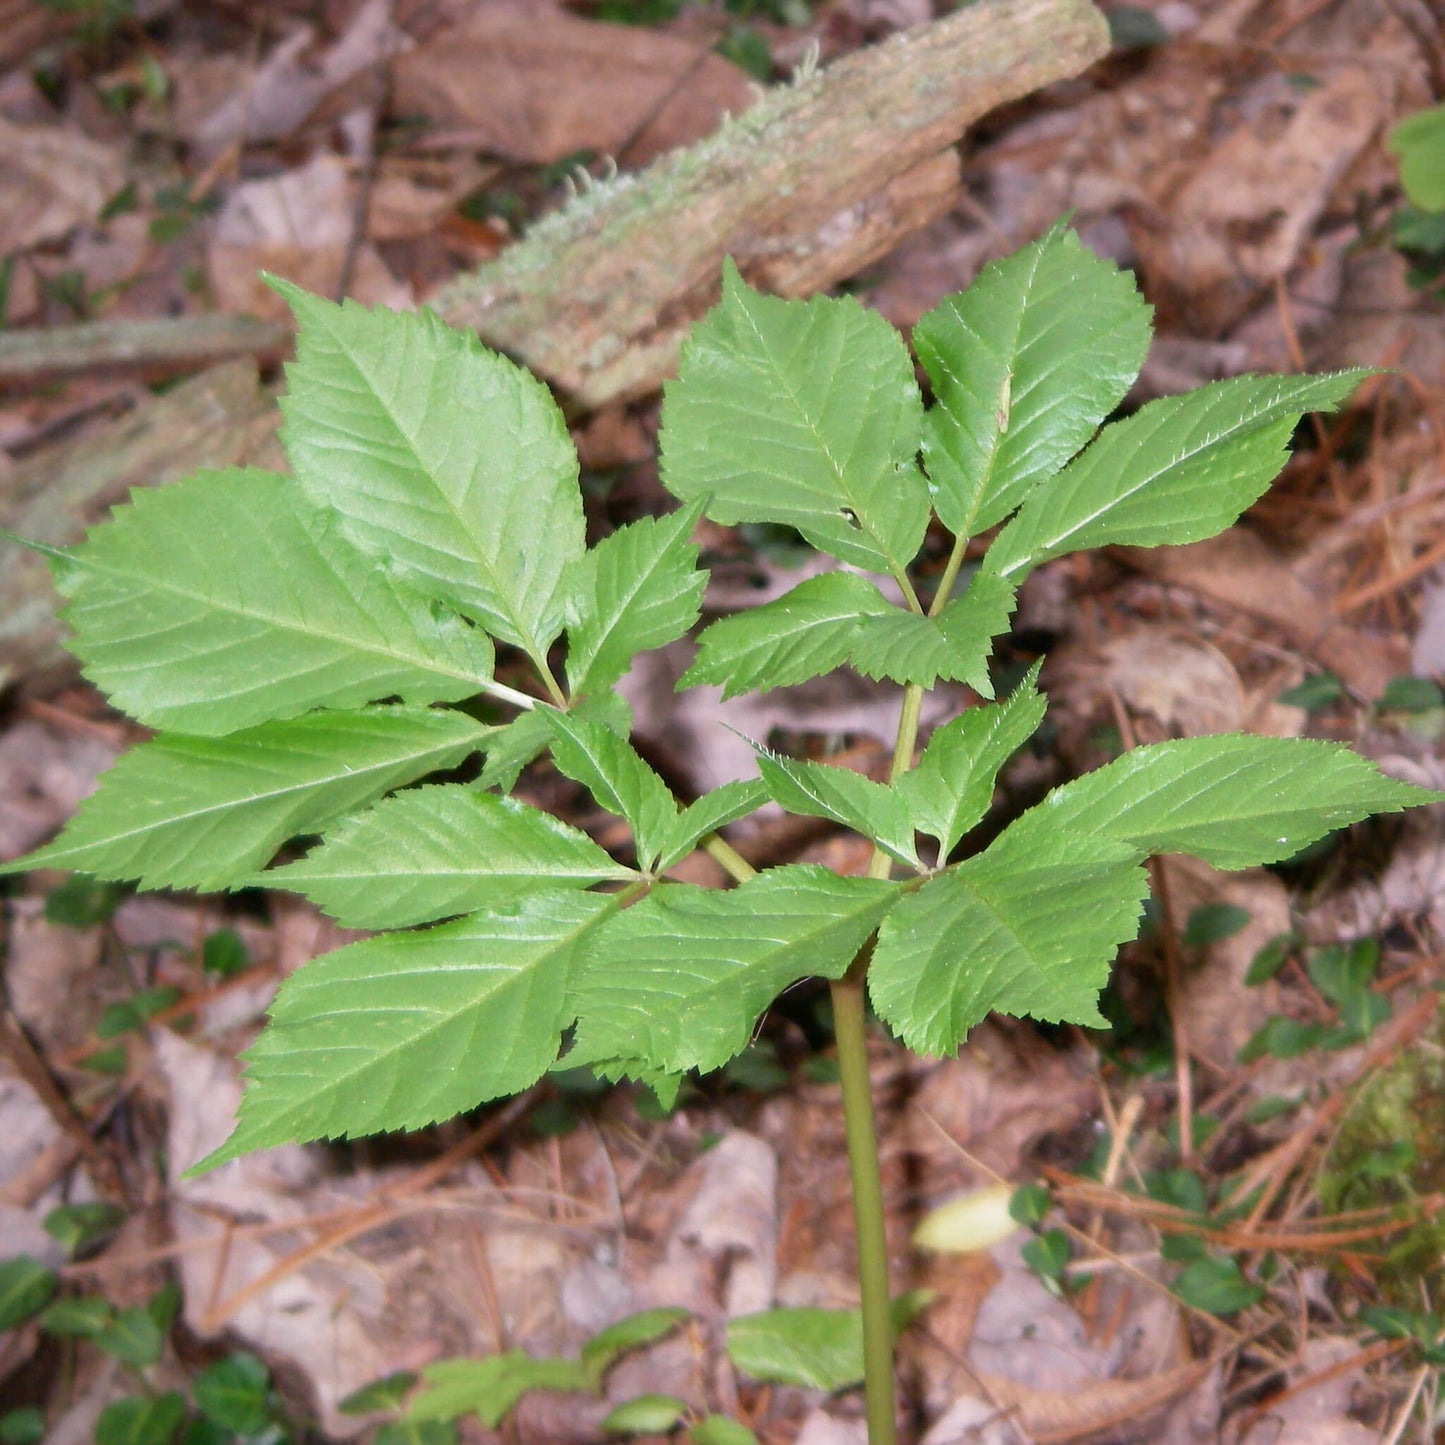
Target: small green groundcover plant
{"points": [[310, 648]]}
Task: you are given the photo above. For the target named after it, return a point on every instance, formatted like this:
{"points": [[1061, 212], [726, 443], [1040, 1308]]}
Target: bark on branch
{"points": [[806, 187]]}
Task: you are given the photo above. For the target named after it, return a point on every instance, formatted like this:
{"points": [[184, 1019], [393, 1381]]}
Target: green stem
{"points": [[732, 862], [950, 575], [859, 1129], [850, 1031], [904, 742], [905, 585], [849, 1025], [503, 693], [554, 691]]}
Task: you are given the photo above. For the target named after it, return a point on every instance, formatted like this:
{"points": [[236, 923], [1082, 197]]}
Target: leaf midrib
{"points": [[231, 804], [277, 622], [1047, 547], [451, 507]]}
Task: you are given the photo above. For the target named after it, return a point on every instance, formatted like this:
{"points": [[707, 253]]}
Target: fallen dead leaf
{"points": [[1000, 1095], [1185, 683], [732, 1220], [1238, 569], [537, 84], [321, 1317], [1319, 1415], [412, 195], [1217, 1012], [221, 101], [53, 179], [1240, 219], [297, 225]]}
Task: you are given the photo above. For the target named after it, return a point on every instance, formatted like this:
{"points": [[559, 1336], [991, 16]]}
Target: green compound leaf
{"points": [[405, 1029], [1180, 469], [436, 852], [132, 1337], [710, 812], [818, 791], [182, 812], [235, 1393], [805, 633], [387, 1393], [815, 1349], [665, 1086], [955, 646], [951, 788], [1024, 366], [1233, 800], [511, 746], [678, 980], [228, 600], [640, 590], [440, 457], [804, 414], [488, 1388], [86, 1315], [1029, 927], [610, 769]]}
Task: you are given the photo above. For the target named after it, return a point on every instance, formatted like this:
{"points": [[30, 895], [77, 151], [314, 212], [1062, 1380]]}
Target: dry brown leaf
{"points": [[733, 1220], [537, 84], [412, 195], [299, 226], [1241, 219], [324, 1319], [220, 101], [219, 418], [999, 1095], [1238, 569], [1216, 1011], [1185, 683], [1052, 1417], [1320, 1415], [53, 179], [44, 774]]}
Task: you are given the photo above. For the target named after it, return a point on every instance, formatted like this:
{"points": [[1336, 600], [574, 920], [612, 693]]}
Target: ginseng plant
{"points": [[310, 647]]}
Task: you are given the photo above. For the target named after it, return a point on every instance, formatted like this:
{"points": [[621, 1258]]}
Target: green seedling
{"points": [[1418, 225], [489, 1387], [310, 647], [231, 1400], [1345, 975]]}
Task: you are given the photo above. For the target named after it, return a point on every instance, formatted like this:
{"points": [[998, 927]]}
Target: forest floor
{"points": [[1243, 1233]]}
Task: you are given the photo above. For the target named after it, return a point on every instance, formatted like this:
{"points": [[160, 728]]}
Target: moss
{"points": [[1390, 1150]]}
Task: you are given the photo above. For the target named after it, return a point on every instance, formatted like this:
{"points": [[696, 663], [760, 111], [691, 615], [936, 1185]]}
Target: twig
{"points": [[174, 343]]}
